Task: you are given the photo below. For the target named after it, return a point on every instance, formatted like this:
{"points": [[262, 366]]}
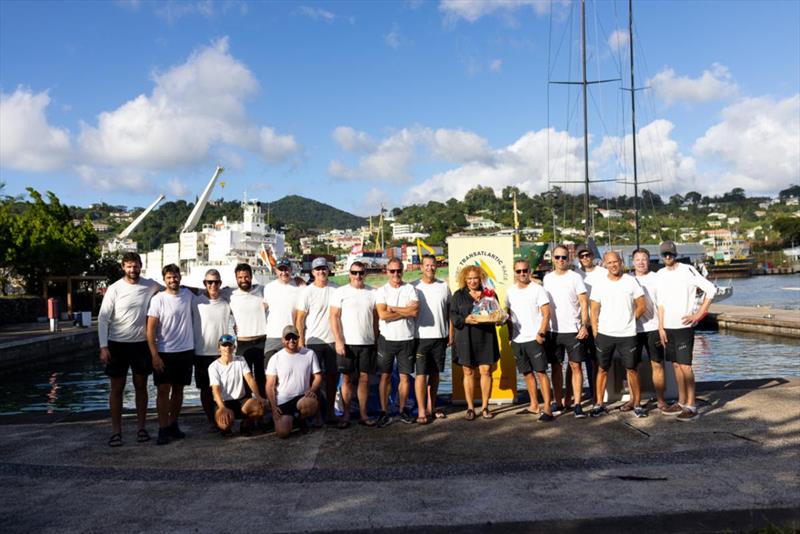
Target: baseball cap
{"points": [[669, 248], [290, 329], [319, 262], [283, 262], [580, 249], [227, 340]]}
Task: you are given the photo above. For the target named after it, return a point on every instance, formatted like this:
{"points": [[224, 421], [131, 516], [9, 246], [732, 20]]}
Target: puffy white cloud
{"points": [[177, 187], [715, 83], [618, 40], [28, 142], [193, 108], [472, 10], [351, 139], [456, 145], [757, 142]]}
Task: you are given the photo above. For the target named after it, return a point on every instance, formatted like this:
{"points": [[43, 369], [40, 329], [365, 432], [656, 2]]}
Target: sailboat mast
{"points": [[633, 127], [585, 125]]}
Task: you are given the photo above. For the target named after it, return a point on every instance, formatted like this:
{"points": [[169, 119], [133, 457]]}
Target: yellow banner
{"points": [[495, 254]]}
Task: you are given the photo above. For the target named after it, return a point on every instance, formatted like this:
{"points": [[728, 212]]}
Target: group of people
{"points": [[283, 348]]}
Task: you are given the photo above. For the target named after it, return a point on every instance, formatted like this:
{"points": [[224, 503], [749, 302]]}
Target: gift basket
{"points": [[487, 310]]}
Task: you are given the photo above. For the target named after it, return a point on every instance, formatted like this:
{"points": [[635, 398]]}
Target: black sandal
{"points": [[486, 414], [142, 436], [470, 415], [115, 440]]}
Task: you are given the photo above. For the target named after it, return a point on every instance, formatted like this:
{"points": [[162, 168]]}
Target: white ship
{"points": [[220, 246]]}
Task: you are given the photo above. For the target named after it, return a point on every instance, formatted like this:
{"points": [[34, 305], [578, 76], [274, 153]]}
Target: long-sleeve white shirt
{"points": [[123, 313]]}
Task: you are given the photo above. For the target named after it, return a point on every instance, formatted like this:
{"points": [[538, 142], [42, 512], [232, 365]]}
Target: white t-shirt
{"points": [[565, 308], [315, 302], [229, 378], [251, 320], [280, 299], [357, 307], [590, 279], [524, 305], [293, 371], [399, 329], [617, 317], [434, 300], [175, 331], [648, 322], [675, 292], [212, 319], [123, 314]]}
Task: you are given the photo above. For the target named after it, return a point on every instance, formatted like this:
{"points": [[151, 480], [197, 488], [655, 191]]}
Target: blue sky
{"points": [[362, 103]]}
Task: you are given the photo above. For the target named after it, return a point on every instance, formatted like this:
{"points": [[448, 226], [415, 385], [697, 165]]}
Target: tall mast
{"points": [[633, 127], [586, 231], [516, 222]]}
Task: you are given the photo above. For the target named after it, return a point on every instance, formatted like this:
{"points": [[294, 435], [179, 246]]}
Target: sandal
{"points": [[470, 415], [115, 440], [486, 414], [367, 422], [439, 414], [526, 411], [341, 425], [626, 408], [142, 436], [423, 420]]}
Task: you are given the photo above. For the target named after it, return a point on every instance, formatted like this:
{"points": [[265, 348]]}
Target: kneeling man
{"points": [[227, 375], [292, 392]]}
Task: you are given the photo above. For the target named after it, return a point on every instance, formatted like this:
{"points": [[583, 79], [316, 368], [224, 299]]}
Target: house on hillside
{"points": [[476, 222]]}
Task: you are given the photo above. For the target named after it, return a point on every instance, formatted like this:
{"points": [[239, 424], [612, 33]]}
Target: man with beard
{"points": [[123, 343], [280, 296], [251, 323]]}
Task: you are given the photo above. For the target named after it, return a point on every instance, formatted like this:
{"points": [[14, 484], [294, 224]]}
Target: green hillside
{"points": [[307, 213]]}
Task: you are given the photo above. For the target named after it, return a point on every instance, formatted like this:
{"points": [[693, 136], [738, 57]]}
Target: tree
{"points": [[694, 197], [791, 191], [788, 228], [42, 240]]}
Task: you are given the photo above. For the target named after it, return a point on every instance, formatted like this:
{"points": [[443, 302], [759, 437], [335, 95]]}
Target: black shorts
{"points": [[556, 344], [530, 356], [235, 405], [624, 348], [680, 345], [430, 355], [274, 345], [590, 344], [326, 356], [177, 368], [357, 358], [123, 355], [403, 351], [652, 341], [201, 364], [290, 407]]}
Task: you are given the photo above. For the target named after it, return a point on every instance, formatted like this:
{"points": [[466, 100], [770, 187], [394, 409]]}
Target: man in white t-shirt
{"points": [[354, 322], [170, 336], [292, 391], [228, 375], [212, 319], [433, 335], [676, 290], [591, 274], [528, 318], [280, 297], [248, 312], [647, 325], [617, 301], [397, 305], [123, 342], [569, 320], [314, 326]]}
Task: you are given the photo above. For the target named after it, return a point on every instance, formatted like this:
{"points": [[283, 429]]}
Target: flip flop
{"points": [[526, 411], [626, 408], [115, 440], [439, 414], [486, 414], [367, 422], [142, 436], [470, 415], [341, 425], [423, 420]]}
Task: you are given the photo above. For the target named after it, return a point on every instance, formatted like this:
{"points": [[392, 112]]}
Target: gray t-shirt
{"points": [[175, 331], [293, 371], [123, 314], [212, 319]]}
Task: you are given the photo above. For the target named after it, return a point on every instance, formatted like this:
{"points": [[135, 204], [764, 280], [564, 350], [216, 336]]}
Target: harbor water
{"points": [[80, 385]]}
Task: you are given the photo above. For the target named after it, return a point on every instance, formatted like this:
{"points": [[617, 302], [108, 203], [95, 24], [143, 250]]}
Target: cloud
{"points": [[393, 39], [177, 188], [714, 84], [618, 40], [193, 108], [757, 143], [372, 201], [351, 139], [472, 10], [496, 65], [27, 141], [455, 145], [317, 13]]}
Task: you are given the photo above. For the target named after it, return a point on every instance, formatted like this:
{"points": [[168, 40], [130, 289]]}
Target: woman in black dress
{"points": [[475, 343]]}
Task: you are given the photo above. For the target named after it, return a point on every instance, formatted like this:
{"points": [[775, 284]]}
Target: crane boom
{"points": [[138, 220], [197, 212]]}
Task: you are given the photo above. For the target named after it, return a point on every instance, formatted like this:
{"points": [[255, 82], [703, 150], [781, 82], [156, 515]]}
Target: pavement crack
{"points": [[638, 478], [751, 440]]}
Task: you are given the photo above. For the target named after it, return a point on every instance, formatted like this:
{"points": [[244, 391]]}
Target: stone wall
{"points": [[21, 309]]}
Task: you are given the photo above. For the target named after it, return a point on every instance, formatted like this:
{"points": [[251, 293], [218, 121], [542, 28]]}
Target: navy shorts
{"points": [[357, 358], [122, 355], [624, 348], [680, 345], [177, 368], [652, 342], [556, 344], [430, 356], [530, 356], [326, 356], [402, 351]]}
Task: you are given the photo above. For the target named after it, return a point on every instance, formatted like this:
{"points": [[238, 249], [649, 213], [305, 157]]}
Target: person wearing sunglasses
{"points": [[314, 326], [569, 319], [280, 297], [228, 376], [211, 316], [293, 381], [591, 274], [676, 292], [528, 317], [354, 321], [397, 305]]}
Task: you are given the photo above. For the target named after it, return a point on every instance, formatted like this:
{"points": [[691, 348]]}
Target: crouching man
{"points": [[292, 392], [227, 376]]}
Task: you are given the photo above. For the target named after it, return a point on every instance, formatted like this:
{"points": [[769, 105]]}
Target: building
{"points": [[476, 222]]}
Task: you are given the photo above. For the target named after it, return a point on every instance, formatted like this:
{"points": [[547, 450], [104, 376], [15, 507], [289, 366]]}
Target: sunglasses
{"points": [[212, 282], [357, 273], [560, 257], [394, 271], [283, 269], [521, 271], [291, 337], [668, 255], [585, 255], [321, 269]]}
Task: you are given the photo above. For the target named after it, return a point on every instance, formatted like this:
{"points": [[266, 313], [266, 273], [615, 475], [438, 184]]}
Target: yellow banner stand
{"points": [[495, 254]]}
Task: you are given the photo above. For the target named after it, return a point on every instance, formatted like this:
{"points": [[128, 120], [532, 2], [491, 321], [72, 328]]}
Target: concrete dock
{"points": [[755, 319], [30, 343], [735, 469]]}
